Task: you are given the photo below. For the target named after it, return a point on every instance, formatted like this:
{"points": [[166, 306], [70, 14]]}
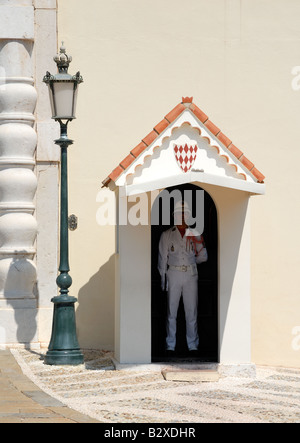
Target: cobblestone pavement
{"points": [[21, 401], [111, 396]]}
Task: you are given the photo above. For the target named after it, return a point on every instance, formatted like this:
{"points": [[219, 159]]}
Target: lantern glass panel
{"points": [[63, 100]]}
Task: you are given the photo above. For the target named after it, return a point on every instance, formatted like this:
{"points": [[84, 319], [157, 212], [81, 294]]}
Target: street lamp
{"points": [[63, 87]]}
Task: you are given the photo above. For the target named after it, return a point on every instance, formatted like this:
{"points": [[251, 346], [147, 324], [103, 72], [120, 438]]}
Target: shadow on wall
{"points": [[17, 283], [95, 313]]}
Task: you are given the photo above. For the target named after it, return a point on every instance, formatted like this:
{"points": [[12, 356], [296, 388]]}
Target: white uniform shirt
{"points": [[175, 250]]}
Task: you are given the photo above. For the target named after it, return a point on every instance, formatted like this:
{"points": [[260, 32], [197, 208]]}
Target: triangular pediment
{"points": [[190, 148]]}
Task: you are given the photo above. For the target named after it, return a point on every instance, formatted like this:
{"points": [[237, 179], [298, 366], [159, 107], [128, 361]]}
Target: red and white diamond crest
{"points": [[185, 156]]}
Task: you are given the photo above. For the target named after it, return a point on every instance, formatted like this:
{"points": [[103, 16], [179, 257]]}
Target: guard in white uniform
{"points": [[180, 250]]}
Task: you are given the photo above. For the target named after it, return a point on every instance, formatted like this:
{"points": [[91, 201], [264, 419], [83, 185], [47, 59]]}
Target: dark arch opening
{"points": [[207, 286]]}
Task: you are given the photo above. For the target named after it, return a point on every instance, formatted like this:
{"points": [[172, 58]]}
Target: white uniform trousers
{"points": [[185, 284]]}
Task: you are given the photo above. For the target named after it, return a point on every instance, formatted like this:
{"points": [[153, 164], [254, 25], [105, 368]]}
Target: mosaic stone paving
{"points": [[111, 396]]}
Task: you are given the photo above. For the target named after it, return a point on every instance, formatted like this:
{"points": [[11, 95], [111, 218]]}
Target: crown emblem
{"points": [[62, 60]]}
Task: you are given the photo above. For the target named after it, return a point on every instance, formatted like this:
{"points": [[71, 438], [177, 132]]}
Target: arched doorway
{"points": [[208, 285]]}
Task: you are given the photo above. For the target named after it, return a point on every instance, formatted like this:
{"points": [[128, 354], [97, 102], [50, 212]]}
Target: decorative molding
{"points": [[147, 154]]}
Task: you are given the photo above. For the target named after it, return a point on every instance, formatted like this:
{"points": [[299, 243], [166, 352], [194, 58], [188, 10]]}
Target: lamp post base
{"points": [[64, 348], [64, 358]]}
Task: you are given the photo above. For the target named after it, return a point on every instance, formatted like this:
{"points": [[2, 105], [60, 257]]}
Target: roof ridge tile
{"points": [[175, 112]]}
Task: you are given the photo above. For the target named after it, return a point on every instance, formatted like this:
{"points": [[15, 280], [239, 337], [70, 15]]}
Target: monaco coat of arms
{"points": [[185, 156]]}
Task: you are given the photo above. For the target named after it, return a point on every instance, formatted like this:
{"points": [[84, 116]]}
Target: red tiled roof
{"points": [[187, 102]]}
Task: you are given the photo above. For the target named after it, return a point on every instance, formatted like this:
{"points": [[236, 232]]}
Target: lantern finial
{"points": [[62, 60]]}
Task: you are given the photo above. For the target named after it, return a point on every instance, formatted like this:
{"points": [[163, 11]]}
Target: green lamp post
{"points": [[63, 87]]}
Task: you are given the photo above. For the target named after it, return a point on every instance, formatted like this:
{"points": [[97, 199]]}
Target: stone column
{"points": [[47, 168], [18, 183]]}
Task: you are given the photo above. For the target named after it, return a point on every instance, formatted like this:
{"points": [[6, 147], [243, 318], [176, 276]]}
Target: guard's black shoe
{"points": [[170, 353], [194, 353]]}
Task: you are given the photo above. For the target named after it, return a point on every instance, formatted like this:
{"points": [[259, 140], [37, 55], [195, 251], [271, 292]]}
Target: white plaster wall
{"points": [[133, 295], [234, 275], [138, 58]]}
